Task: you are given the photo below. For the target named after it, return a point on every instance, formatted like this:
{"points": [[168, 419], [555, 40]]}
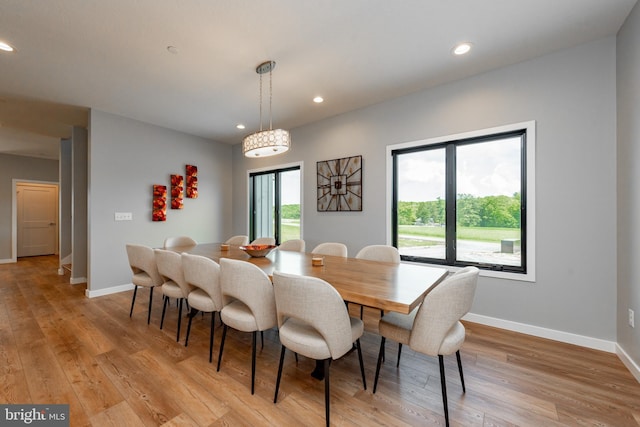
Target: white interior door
{"points": [[37, 219]]}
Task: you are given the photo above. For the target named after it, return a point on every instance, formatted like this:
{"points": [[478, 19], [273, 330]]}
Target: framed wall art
{"points": [[340, 184]]}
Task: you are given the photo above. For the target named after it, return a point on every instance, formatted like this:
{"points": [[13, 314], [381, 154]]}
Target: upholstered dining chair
{"points": [[313, 321], [174, 286], [434, 328], [264, 241], [239, 240], [178, 241], [296, 245], [145, 272], [248, 303], [330, 248], [379, 253], [204, 275]]}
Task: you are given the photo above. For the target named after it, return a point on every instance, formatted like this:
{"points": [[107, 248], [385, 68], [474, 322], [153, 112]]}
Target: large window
{"points": [[275, 204], [463, 200]]}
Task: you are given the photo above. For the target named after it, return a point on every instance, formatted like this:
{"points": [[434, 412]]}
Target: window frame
{"points": [[250, 202], [528, 196]]}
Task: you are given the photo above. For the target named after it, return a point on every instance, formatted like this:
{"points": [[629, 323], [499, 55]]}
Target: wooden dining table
{"points": [[385, 286]]}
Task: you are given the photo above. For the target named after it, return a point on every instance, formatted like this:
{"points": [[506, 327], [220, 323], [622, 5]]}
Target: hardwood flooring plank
{"points": [[120, 415]]}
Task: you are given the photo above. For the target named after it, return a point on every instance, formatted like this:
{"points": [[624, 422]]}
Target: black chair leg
{"points": [[213, 322], [361, 312], [443, 383], [375, 381], [399, 352], [253, 361], [275, 396], [164, 309], [364, 381], [179, 319], [192, 314], [327, 399], [150, 302], [224, 335], [262, 338], [133, 300], [464, 390]]}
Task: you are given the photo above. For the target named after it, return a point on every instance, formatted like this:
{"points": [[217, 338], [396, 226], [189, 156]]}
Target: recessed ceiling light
{"points": [[318, 99], [239, 126], [462, 48], [6, 47]]}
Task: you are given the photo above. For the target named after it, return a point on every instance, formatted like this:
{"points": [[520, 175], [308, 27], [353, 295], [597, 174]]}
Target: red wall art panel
{"points": [[177, 191], [159, 203], [192, 181]]}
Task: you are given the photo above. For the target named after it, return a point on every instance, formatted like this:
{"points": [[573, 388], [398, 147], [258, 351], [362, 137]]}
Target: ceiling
{"points": [[73, 55]]}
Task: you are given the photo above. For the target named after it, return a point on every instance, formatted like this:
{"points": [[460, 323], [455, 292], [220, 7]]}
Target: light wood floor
{"points": [[57, 346]]}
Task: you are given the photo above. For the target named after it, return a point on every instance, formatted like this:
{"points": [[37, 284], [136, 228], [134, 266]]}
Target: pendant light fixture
{"points": [[266, 142]]}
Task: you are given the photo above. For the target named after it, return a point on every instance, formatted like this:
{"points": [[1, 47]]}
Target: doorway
{"points": [[36, 219]]}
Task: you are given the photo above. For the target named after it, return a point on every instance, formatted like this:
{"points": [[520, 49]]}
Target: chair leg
{"points": [[399, 352], [326, 390], [361, 312], [179, 319], [192, 314], [133, 300], [224, 335], [282, 351], [443, 383], [150, 303], [164, 309], [213, 322], [375, 381], [464, 390], [364, 381], [253, 360]]}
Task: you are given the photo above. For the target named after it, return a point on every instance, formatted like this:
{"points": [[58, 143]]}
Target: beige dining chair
{"points": [[174, 286], [331, 248], [248, 303], [379, 253], [314, 322], [296, 245], [239, 240], [204, 275], [264, 241], [145, 272], [178, 241], [434, 328]]}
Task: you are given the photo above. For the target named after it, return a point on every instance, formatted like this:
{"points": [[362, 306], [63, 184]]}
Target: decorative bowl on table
{"points": [[257, 250]]}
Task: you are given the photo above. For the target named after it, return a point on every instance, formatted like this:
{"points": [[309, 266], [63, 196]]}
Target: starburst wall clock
{"points": [[340, 184]]}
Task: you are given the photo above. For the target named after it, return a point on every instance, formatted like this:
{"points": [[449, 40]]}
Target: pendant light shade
{"points": [[266, 142]]}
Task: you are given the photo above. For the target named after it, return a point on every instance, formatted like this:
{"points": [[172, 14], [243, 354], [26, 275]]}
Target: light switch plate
{"points": [[123, 216]]}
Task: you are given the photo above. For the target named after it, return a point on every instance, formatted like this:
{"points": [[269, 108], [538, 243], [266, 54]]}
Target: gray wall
{"points": [[571, 96], [18, 167], [126, 158], [628, 59]]}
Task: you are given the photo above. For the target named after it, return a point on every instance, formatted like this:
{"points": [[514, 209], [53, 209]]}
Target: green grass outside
{"points": [[481, 234]]}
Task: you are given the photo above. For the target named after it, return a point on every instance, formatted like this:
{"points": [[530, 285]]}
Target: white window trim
{"points": [[274, 167], [530, 126]]}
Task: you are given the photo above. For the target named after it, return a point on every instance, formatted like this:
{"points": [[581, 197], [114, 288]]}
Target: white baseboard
{"points": [[7, 261], [76, 280], [628, 362], [566, 337], [108, 291]]}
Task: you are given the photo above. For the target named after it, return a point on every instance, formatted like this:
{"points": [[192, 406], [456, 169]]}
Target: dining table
{"points": [[381, 285]]}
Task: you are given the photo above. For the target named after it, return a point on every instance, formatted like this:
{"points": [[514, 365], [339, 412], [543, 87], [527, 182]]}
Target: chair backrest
{"points": [[170, 267], [203, 273], [247, 283], [316, 303], [380, 253], [142, 259], [264, 241], [179, 241], [331, 248], [239, 240], [297, 245], [436, 327]]}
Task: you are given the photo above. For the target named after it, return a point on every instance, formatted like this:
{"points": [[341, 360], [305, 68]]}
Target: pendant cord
{"points": [[260, 102], [270, 97]]}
